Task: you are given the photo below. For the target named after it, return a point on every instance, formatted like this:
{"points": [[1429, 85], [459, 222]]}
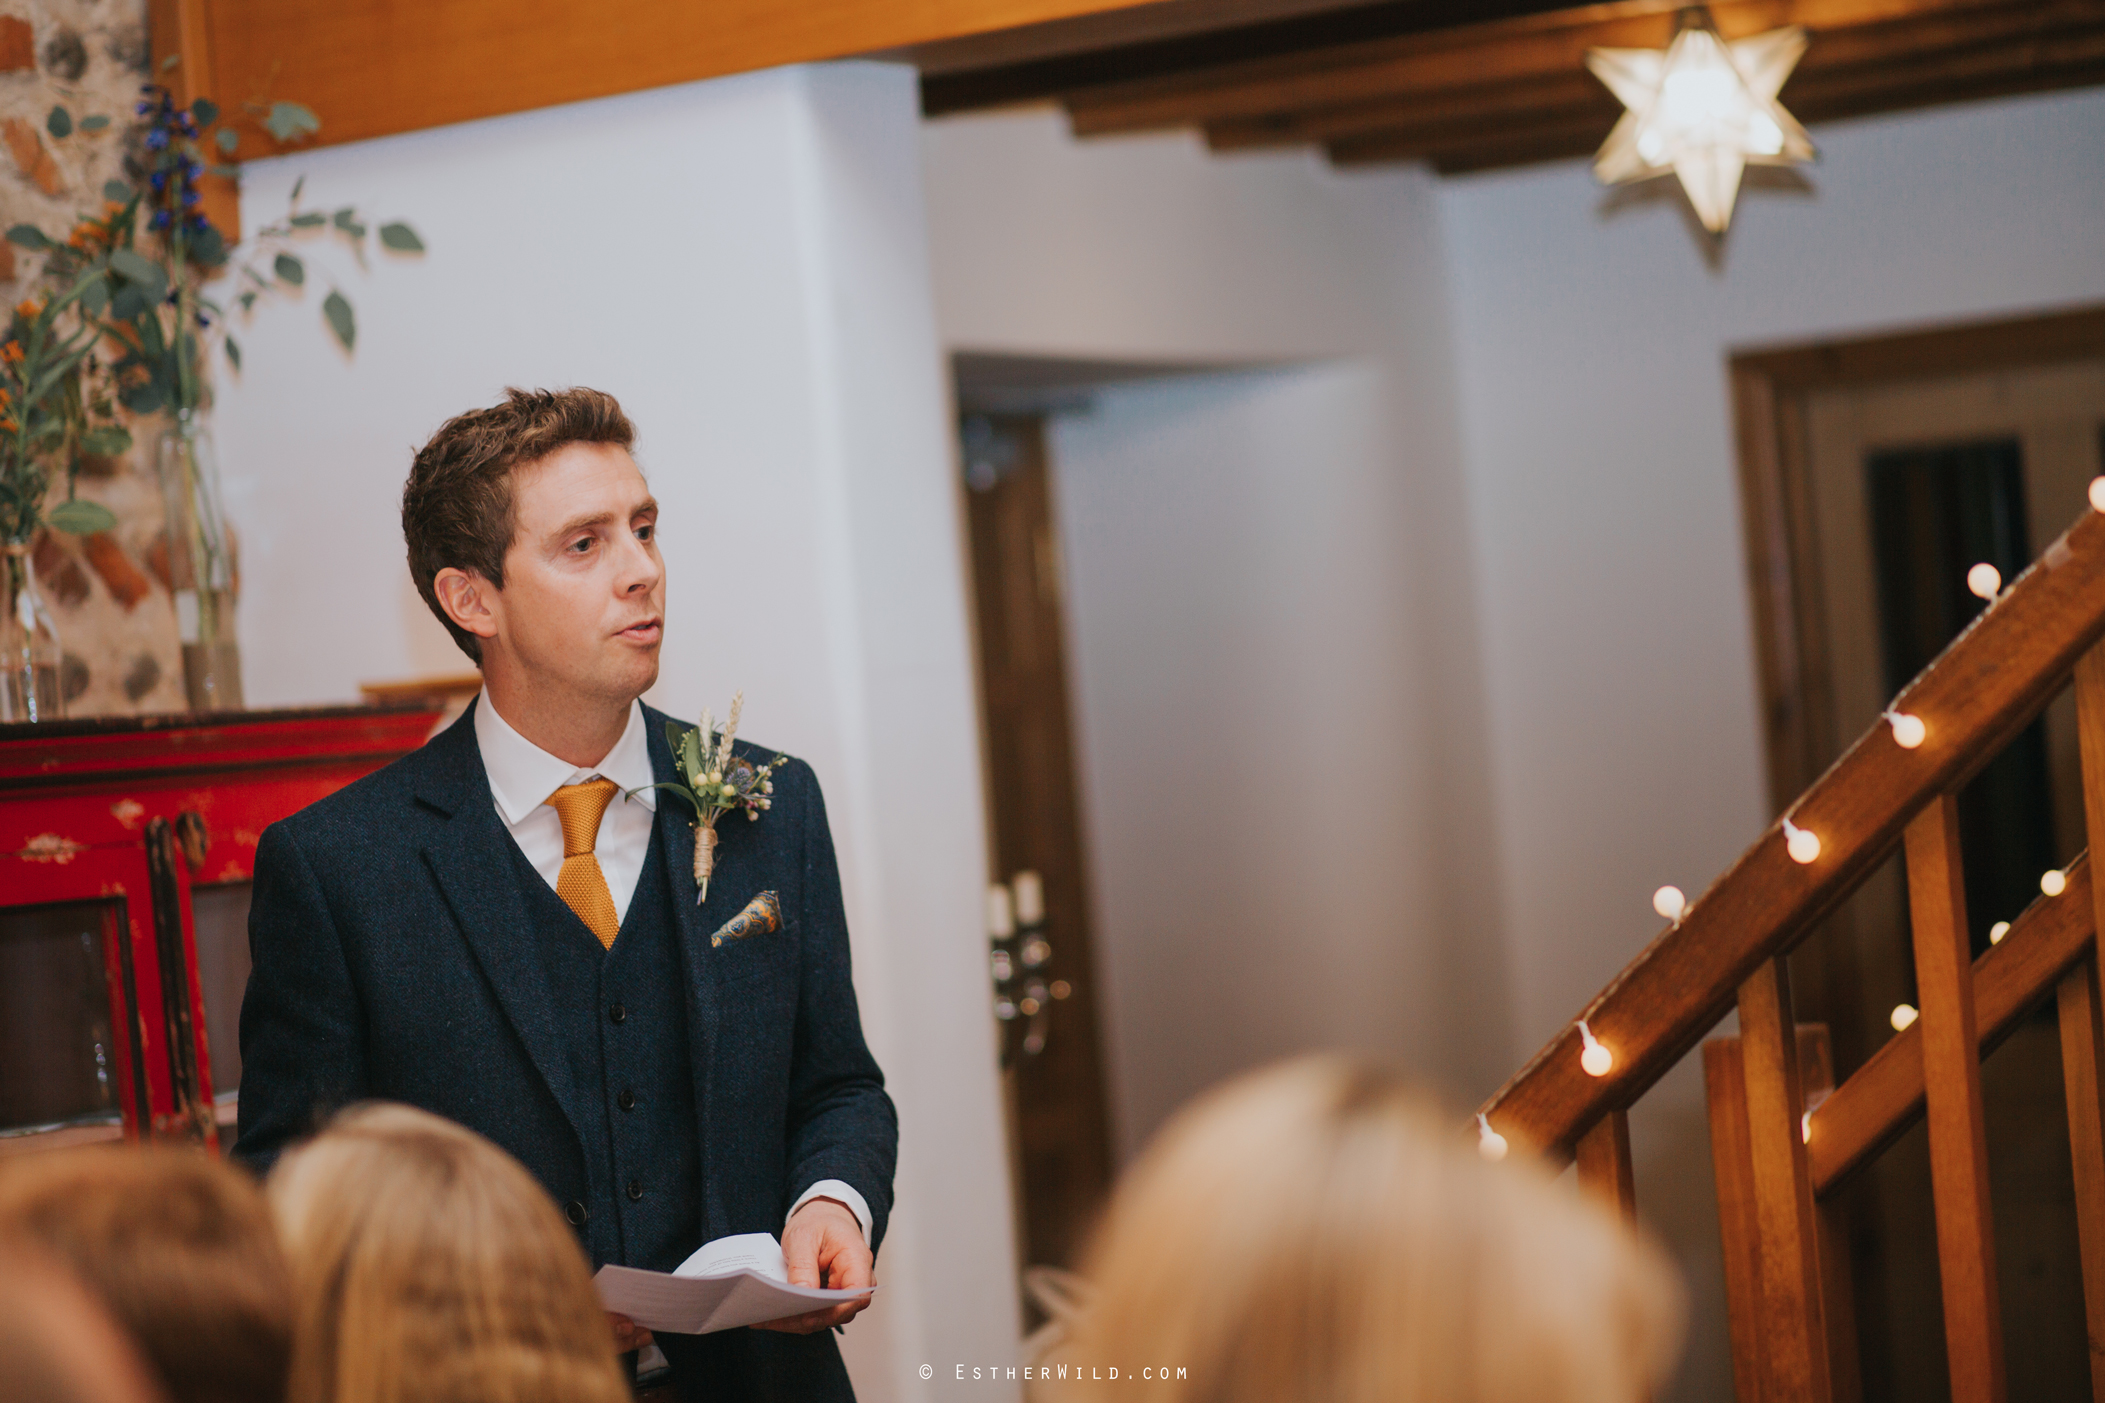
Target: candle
{"points": [[1001, 917], [1030, 899]]}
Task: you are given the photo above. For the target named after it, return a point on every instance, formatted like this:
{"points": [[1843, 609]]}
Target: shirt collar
{"points": [[523, 775]]}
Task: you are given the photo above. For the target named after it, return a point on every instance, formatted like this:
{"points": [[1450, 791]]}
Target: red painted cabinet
{"points": [[126, 851]]}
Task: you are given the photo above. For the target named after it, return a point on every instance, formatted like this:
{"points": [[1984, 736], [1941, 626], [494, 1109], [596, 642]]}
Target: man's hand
{"points": [[628, 1335], [823, 1246]]}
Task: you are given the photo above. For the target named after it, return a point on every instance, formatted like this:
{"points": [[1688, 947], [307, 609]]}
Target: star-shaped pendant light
{"points": [[1703, 109]]}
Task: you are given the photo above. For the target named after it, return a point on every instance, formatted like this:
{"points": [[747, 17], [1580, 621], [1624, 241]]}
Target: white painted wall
{"points": [[744, 263], [1591, 346], [1253, 560]]}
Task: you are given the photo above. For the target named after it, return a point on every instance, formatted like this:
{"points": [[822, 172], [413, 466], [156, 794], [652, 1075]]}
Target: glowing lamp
{"points": [[1805, 1128], [1489, 1143], [1669, 902], [2097, 494], [1985, 580], [1596, 1060], [1801, 843], [1904, 1016], [2053, 882], [1997, 931], [1702, 110], [1908, 731]]}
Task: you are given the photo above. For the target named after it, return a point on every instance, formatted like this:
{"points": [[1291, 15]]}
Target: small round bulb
{"points": [[1801, 843], [2053, 882], [1489, 1143], [1805, 1128], [1669, 902], [1997, 931], [1985, 580], [1596, 1060], [1908, 731], [1904, 1016], [2097, 494]]}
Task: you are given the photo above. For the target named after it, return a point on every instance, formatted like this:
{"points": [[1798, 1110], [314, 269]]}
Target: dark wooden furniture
{"points": [[110, 832]]}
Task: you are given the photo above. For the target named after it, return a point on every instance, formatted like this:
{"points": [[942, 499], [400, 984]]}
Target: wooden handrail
{"points": [[1885, 1096], [1974, 697]]}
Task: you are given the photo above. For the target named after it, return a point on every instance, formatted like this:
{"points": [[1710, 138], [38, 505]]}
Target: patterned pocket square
{"points": [[762, 916]]}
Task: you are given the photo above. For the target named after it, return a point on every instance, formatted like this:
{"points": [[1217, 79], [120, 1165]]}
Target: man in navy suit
{"points": [[502, 928]]}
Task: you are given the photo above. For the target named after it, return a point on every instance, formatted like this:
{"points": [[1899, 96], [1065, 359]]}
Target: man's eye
{"points": [[645, 531], [581, 544]]}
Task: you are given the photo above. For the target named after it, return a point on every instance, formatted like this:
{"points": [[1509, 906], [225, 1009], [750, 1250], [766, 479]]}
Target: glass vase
{"points": [[200, 565], [29, 649]]}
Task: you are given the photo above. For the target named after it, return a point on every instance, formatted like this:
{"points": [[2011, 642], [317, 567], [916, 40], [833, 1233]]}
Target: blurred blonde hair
{"points": [[179, 1246], [429, 1265], [1317, 1232]]}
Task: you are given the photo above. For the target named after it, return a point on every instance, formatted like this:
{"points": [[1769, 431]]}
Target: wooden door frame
{"points": [[1771, 389]]}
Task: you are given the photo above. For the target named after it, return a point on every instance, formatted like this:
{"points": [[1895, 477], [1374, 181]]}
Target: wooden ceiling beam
{"points": [[1472, 56], [2066, 59], [1871, 59]]}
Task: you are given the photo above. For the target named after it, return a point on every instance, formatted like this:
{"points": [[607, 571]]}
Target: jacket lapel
{"points": [[469, 862], [676, 833]]}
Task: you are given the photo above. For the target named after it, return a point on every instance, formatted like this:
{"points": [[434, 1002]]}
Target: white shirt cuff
{"points": [[835, 1189]]}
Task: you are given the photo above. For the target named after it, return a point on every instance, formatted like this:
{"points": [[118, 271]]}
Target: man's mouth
{"points": [[643, 631]]}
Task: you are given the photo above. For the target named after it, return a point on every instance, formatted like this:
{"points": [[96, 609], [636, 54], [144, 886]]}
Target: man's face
{"points": [[583, 603]]}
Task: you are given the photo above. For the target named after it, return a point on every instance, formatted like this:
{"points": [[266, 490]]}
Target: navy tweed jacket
{"points": [[387, 934]]}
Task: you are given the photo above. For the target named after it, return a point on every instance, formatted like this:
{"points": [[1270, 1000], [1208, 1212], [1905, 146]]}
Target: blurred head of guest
{"points": [[57, 1342], [429, 1266], [181, 1249], [1320, 1231]]}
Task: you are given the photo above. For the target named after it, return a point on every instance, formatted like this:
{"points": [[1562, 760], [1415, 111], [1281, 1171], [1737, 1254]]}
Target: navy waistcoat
{"points": [[622, 1022]]}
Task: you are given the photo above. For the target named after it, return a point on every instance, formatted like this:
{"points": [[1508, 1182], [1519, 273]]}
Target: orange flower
{"points": [[29, 309], [11, 353]]}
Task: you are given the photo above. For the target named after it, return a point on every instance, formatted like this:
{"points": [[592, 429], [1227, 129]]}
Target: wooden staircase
{"points": [[1780, 1168]]}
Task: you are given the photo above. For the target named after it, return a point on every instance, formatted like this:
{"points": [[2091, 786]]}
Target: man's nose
{"points": [[640, 569]]}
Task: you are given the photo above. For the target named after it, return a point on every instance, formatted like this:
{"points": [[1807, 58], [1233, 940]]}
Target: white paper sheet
{"points": [[727, 1283]]}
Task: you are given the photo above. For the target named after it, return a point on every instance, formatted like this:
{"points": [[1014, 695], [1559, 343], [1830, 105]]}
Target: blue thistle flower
{"points": [[161, 219], [156, 139]]}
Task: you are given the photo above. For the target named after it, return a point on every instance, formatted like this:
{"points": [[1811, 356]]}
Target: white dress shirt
{"points": [[522, 776]]}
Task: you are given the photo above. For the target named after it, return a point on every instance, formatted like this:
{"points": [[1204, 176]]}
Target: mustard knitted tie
{"points": [[581, 884]]}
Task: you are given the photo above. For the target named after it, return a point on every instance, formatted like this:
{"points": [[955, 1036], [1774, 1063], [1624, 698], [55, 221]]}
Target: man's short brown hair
{"points": [[457, 505]]}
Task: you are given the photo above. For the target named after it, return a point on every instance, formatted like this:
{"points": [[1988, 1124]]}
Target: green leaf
{"points": [[234, 352], [290, 269], [151, 277], [28, 236], [401, 238], [347, 220], [337, 308], [171, 61], [297, 186], [94, 123], [208, 246], [142, 399], [228, 139], [223, 171], [108, 441], [204, 112], [115, 190], [309, 219], [126, 304], [81, 517], [247, 299], [95, 296], [59, 123], [289, 121]]}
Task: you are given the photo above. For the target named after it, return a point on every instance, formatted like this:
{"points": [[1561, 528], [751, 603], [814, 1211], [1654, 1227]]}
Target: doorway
{"points": [[1043, 969], [1875, 476]]}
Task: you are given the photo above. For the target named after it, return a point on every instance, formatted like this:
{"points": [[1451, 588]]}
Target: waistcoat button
{"points": [[618, 1014], [635, 1190], [627, 1100], [576, 1213]]}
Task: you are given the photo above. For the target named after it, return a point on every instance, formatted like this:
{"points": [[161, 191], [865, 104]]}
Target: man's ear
{"points": [[468, 599]]}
